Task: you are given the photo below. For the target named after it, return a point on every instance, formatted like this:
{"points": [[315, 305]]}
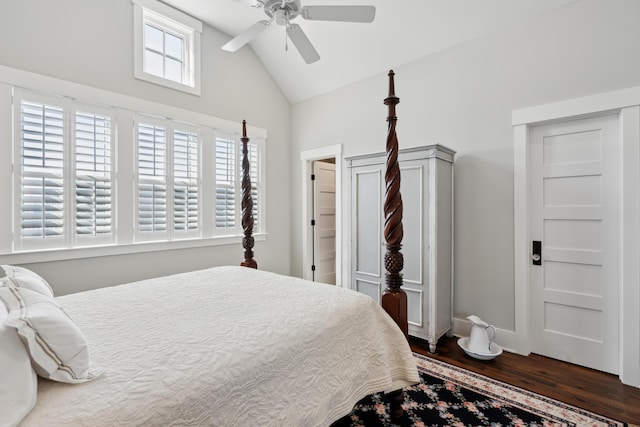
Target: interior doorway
{"points": [[321, 205], [575, 219], [323, 221], [625, 104]]}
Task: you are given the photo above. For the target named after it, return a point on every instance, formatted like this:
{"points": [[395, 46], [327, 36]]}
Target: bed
{"points": [[224, 346]]}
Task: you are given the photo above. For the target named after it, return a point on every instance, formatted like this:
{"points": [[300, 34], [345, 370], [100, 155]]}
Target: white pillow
{"points": [[18, 381], [24, 278], [59, 350]]}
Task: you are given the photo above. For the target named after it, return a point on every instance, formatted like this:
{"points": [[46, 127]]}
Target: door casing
{"points": [[307, 157], [626, 103]]}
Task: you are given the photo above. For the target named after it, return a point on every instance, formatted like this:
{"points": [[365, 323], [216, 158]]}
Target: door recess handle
{"points": [[536, 255]]}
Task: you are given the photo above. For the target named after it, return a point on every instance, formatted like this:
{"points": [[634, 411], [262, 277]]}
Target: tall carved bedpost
{"points": [[394, 299], [247, 204]]}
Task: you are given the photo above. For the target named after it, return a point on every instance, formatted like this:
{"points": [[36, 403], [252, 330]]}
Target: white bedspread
{"points": [[227, 346]]}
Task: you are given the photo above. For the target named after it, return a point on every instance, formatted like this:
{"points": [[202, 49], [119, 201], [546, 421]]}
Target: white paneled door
{"points": [[324, 217], [576, 216]]}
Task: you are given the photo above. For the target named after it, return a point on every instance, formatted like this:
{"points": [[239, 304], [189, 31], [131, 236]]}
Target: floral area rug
{"points": [[452, 396]]}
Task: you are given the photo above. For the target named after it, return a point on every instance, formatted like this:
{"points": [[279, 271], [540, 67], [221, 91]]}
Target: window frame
{"points": [[173, 22], [170, 233], [70, 238], [125, 107]]}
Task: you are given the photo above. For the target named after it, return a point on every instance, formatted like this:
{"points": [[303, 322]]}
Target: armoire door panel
{"points": [[369, 287], [368, 222], [415, 308], [426, 187], [411, 186]]}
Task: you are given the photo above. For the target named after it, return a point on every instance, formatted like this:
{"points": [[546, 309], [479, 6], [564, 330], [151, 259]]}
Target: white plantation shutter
{"points": [[226, 182], [64, 181], [152, 181], [255, 182], [93, 183], [42, 172], [185, 181]]}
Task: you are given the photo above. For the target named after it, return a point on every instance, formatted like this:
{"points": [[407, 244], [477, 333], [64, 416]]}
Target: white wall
{"points": [[90, 43], [463, 98]]}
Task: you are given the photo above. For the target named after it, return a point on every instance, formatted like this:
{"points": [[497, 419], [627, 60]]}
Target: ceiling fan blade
{"points": [[302, 43], [246, 36], [252, 3], [364, 14]]}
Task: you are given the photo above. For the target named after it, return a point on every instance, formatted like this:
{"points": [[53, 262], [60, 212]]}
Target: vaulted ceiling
{"points": [[403, 31]]}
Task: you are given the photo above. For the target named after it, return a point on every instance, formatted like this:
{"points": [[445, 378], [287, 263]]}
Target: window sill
{"points": [[193, 90], [28, 257]]}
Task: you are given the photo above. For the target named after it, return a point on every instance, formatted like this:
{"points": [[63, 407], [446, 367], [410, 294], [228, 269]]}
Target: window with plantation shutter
{"points": [[226, 182], [42, 200], [65, 187], [168, 180], [152, 181], [87, 176], [185, 181], [228, 185], [93, 169]]}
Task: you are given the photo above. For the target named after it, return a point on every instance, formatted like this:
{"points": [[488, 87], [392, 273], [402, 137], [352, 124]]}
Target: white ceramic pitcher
{"points": [[480, 338]]}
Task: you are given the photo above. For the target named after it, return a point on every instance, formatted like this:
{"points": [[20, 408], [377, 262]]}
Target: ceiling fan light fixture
{"points": [[281, 16]]}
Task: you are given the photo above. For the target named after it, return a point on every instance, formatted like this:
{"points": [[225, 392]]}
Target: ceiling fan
{"points": [[284, 11]]}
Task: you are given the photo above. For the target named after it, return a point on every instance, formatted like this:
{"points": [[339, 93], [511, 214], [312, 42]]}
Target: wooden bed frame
{"points": [[394, 299]]}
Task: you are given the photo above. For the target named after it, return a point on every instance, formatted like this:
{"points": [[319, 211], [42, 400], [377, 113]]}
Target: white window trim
{"points": [[168, 17], [11, 79]]}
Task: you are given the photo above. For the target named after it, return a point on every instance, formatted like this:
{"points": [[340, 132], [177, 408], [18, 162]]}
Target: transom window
{"points": [[163, 53], [166, 46]]}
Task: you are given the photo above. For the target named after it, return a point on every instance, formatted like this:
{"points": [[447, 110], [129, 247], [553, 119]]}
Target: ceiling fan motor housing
{"points": [[282, 11]]}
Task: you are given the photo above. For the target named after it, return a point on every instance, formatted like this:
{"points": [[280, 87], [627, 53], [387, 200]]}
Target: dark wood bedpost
{"points": [[247, 204], [394, 299]]}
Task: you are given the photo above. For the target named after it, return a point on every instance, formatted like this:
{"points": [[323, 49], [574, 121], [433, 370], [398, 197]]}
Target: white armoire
{"points": [[426, 186]]}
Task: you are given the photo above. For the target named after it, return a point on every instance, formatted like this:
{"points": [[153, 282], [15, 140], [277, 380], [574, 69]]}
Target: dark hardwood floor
{"points": [[589, 389]]}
